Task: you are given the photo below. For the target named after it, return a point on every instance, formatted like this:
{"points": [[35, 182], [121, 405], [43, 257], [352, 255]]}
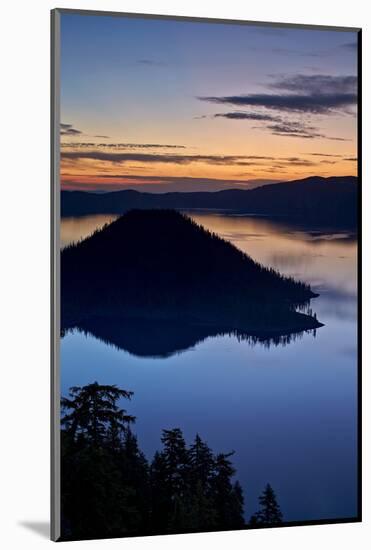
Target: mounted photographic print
{"points": [[205, 326]]}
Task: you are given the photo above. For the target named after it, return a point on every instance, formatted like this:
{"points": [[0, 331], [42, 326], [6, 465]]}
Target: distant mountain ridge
{"points": [[319, 200]]}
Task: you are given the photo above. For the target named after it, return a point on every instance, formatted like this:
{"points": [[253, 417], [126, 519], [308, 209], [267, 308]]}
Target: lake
{"points": [[288, 411]]}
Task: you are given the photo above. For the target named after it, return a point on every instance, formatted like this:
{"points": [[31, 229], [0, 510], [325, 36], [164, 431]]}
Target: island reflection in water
{"points": [[289, 412], [163, 338]]}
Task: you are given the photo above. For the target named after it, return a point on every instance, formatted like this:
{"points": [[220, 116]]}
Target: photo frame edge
{"points": [[55, 492], [55, 525]]}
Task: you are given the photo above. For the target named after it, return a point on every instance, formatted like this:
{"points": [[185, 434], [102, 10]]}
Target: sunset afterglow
{"points": [[158, 105]]}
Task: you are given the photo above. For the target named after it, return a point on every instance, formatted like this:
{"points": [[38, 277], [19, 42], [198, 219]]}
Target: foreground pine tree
{"points": [[227, 497], [96, 501], [270, 512], [110, 490]]}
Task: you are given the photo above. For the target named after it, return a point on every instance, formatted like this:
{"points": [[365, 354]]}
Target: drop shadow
{"points": [[41, 528]]}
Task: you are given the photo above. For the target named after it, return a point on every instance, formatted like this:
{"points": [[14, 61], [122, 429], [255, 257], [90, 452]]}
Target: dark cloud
{"points": [[314, 94], [317, 84], [259, 157], [247, 163], [239, 115], [323, 155], [116, 157], [295, 161], [277, 169], [299, 130], [293, 135], [352, 159], [313, 103], [283, 126], [294, 129], [69, 130], [333, 138], [121, 158]]}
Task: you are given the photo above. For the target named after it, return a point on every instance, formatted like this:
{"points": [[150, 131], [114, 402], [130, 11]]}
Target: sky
{"points": [[168, 105]]}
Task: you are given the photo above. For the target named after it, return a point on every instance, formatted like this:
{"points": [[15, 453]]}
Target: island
{"points": [[155, 282]]}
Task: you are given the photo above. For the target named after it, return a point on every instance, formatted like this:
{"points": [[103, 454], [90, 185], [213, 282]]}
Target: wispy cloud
{"points": [[261, 163], [314, 94], [240, 115], [69, 130], [295, 161], [300, 94], [299, 129], [122, 158], [316, 84], [282, 126], [294, 129], [90, 145], [323, 155], [313, 103]]}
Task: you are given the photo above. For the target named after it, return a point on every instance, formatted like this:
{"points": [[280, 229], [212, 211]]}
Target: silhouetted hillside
{"points": [[330, 201], [159, 264]]}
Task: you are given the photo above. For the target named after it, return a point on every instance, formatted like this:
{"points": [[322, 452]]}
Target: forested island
{"points": [[159, 266], [110, 489]]}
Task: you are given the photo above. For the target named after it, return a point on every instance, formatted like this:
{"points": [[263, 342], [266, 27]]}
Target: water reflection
{"points": [[289, 412], [158, 331], [324, 259], [76, 229], [162, 339]]}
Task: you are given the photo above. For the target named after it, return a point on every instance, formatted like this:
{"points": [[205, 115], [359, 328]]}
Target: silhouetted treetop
{"points": [[109, 489], [92, 411], [269, 513]]}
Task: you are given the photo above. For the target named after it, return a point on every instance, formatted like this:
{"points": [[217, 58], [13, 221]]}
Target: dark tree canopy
{"points": [[95, 413], [110, 490]]}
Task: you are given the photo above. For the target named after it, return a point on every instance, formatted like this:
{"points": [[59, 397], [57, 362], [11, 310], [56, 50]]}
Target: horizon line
{"points": [[238, 186]]}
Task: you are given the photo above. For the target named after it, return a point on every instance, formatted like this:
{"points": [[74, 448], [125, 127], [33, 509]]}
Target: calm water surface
{"points": [[289, 412]]}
